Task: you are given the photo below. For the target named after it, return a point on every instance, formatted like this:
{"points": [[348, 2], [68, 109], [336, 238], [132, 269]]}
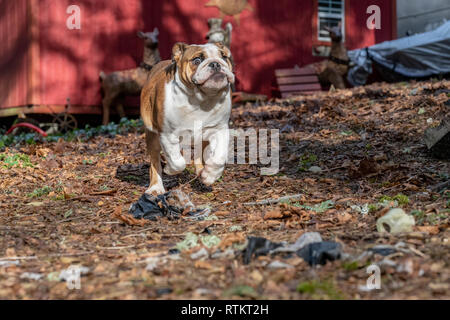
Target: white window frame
{"points": [[333, 15]]}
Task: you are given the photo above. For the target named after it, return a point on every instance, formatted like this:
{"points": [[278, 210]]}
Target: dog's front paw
{"points": [[155, 190], [210, 175], [175, 167]]}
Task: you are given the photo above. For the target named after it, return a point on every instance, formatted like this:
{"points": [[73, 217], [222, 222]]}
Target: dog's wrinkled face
{"points": [[208, 66]]}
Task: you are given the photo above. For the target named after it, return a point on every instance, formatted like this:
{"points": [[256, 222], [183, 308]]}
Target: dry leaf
{"points": [[230, 239], [222, 213], [202, 264], [344, 217], [428, 229], [127, 218], [274, 214]]}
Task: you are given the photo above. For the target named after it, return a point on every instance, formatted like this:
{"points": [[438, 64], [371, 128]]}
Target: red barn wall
{"points": [[13, 53], [72, 59], [274, 35], [358, 35]]}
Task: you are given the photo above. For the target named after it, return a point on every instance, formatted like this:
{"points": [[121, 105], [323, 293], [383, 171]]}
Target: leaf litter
{"points": [[78, 220]]}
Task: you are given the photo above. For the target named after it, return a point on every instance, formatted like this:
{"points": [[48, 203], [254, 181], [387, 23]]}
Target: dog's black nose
{"points": [[215, 66]]}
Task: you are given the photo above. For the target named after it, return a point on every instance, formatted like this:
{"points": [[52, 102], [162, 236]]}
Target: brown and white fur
{"points": [[190, 94], [118, 84]]}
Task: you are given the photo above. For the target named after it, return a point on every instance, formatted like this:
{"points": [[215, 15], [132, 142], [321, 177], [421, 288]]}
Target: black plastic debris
{"points": [[171, 205], [258, 246], [320, 252], [151, 207], [163, 291], [438, 140], [207, 231], [384, 251], [173, 251], [309, 246]]}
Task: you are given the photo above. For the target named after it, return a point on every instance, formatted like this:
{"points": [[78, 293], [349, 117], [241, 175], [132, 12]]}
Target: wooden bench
{"points": [[297, 81]]}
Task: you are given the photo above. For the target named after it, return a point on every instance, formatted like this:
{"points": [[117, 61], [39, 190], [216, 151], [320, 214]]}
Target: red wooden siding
{"points": [[65, 63], [357, 34], [72, 59], [13, 53]]}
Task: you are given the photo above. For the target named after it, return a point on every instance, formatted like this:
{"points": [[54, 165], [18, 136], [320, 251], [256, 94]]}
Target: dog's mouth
{"points": [[217, 76], [214, 76], [214, 79]]}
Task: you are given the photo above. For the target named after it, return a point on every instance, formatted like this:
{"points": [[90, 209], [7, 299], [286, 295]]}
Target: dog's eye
{"points": [[224, 57], [197, 61]]}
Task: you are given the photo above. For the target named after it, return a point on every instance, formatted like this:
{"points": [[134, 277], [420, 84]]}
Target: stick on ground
{"points": [[274, 201]]}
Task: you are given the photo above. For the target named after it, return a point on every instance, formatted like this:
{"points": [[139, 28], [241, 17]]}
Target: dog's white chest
{"points": [[183, 113]]}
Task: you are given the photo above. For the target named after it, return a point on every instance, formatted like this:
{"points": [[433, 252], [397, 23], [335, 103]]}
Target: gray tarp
{"points": [[420, 55]]}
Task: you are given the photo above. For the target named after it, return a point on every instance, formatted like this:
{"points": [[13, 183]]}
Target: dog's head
{"points": [[150, 38], [208, 67]]}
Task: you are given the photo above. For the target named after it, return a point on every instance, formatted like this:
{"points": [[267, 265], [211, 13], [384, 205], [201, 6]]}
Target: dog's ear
{"points": [[223, 48], [156, 31], [226, 51], [141, 35], [177, 51]]}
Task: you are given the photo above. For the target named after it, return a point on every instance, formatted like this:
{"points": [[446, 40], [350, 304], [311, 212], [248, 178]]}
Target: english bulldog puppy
{"points": [[188, 95]]}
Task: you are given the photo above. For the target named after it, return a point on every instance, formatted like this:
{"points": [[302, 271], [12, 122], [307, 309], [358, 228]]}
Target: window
{"points": [[330, 13]]}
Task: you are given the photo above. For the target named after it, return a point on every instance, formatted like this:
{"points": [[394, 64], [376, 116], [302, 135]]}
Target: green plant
{"points": [[40, 192], [350, 266], [306, 161], [242, 291], [401, 199], [68, 213], [432, 218], [112, 129], [15, 160], [346, 133], [320, 290], [189, 170], [419, 216], [103, 154]]}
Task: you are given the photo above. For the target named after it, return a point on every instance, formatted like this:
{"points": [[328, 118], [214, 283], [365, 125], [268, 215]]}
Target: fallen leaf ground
{"points": [[57, 205]]}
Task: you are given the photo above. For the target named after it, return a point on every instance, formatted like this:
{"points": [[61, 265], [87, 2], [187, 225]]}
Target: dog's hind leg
{"points": [[156, 186]]}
